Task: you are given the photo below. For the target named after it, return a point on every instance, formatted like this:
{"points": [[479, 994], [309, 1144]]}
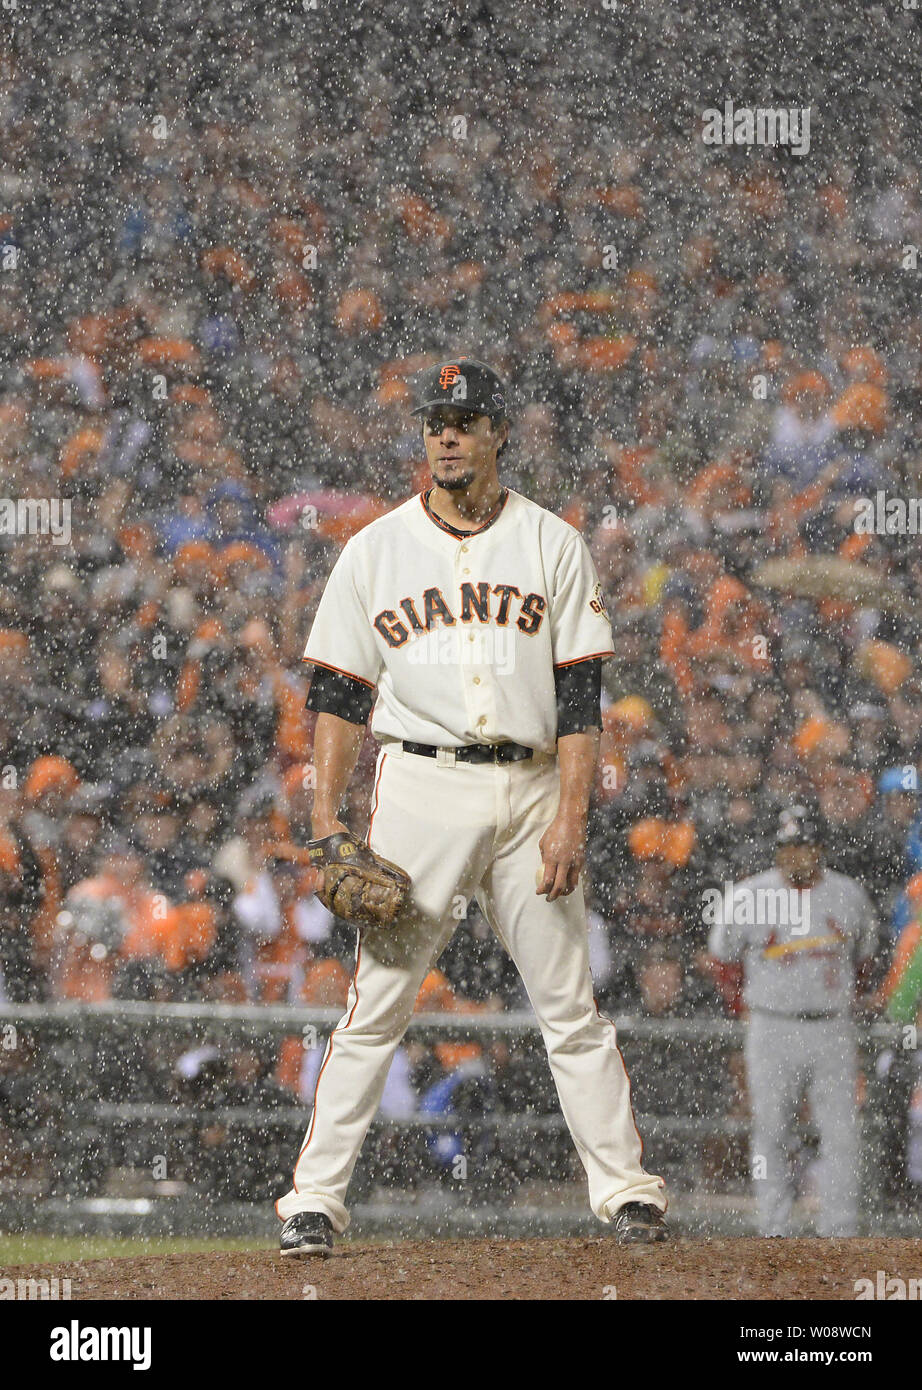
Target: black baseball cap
{"points": [[797, 825], [464, 382]]}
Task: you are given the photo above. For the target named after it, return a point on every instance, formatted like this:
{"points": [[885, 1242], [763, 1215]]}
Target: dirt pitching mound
{"points": [[502, 1269]]}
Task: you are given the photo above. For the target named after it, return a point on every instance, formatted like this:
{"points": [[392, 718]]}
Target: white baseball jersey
{"points": [[460, 633], [798, 948]]}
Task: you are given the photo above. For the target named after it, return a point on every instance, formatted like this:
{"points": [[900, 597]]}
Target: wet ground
{"points": [[724, 1269]]}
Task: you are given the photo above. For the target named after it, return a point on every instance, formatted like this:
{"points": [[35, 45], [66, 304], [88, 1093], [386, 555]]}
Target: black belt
{"points": [[475, 752]]}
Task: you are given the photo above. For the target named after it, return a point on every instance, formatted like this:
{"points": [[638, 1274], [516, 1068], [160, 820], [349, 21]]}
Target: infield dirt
{"points": [[724, 1269]]}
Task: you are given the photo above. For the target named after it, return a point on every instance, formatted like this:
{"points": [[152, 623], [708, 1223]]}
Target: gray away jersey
{"points": [[798, 949]]}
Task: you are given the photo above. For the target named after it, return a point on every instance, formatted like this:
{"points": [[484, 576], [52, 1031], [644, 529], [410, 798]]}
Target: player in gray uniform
{"points": [[804, 936]]}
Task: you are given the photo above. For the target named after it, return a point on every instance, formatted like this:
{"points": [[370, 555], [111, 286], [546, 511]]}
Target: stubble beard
{"points": [[458, 484]]}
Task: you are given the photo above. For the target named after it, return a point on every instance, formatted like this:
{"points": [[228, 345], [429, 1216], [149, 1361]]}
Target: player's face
{"points": [[800, 864], [460, 446]]}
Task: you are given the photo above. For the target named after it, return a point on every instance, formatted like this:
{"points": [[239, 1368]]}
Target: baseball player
{"points": [[472, 621], [804, 936]]}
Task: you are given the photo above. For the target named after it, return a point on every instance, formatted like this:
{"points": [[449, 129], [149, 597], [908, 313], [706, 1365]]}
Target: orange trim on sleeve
{"points": [[312, 661], [593, 656]]}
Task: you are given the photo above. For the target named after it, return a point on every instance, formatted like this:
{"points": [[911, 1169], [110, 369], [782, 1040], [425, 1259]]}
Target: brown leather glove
{"points": [[358, 885]]}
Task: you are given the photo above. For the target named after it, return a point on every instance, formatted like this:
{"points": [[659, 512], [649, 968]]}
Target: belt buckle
{"points": [[446, 757]]}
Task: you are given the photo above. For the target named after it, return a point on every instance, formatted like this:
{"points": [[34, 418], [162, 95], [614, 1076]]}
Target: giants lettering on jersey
{"points": [[460, 635], [480, 602]]}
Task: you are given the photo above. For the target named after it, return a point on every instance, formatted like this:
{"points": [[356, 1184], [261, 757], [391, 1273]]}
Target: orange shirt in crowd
{"points": [[178, 933], [715, 635]]}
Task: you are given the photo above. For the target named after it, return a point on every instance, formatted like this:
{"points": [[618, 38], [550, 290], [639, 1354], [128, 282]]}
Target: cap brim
{"points": [[456, 405]]}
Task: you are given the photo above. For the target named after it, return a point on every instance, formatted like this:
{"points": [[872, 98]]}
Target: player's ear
{"points": [[501, 431]]}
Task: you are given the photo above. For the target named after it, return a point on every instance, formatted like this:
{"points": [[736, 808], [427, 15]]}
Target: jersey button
{"points": [[476, 680], [464, 550], [482, 720]]}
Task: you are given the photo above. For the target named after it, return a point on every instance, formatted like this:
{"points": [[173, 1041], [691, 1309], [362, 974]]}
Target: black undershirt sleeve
{"points": [[578, 689], [579, 696], [332, 692]]}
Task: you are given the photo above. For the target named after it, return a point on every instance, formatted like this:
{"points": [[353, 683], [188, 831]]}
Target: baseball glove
{"points": [[358, 885]]}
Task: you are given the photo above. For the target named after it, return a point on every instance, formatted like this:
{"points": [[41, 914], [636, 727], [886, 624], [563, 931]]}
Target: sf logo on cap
{"points": [[448, 376]]}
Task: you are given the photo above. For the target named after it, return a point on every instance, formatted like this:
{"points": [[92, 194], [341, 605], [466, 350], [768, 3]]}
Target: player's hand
{"points": [[312, 881], [563, 852], [321, 827]]}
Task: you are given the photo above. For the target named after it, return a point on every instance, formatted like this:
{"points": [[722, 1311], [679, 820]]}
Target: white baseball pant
{"points": [[464, 830]]}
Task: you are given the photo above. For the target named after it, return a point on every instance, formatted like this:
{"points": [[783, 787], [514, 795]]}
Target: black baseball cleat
{"points": [[639, 1223], [307, 1233]]}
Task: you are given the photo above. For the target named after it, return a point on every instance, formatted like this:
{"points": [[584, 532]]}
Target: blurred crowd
{"points": [[219, 273]]}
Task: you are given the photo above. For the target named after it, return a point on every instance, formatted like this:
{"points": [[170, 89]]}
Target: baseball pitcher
{"points": [[472, 621]]}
